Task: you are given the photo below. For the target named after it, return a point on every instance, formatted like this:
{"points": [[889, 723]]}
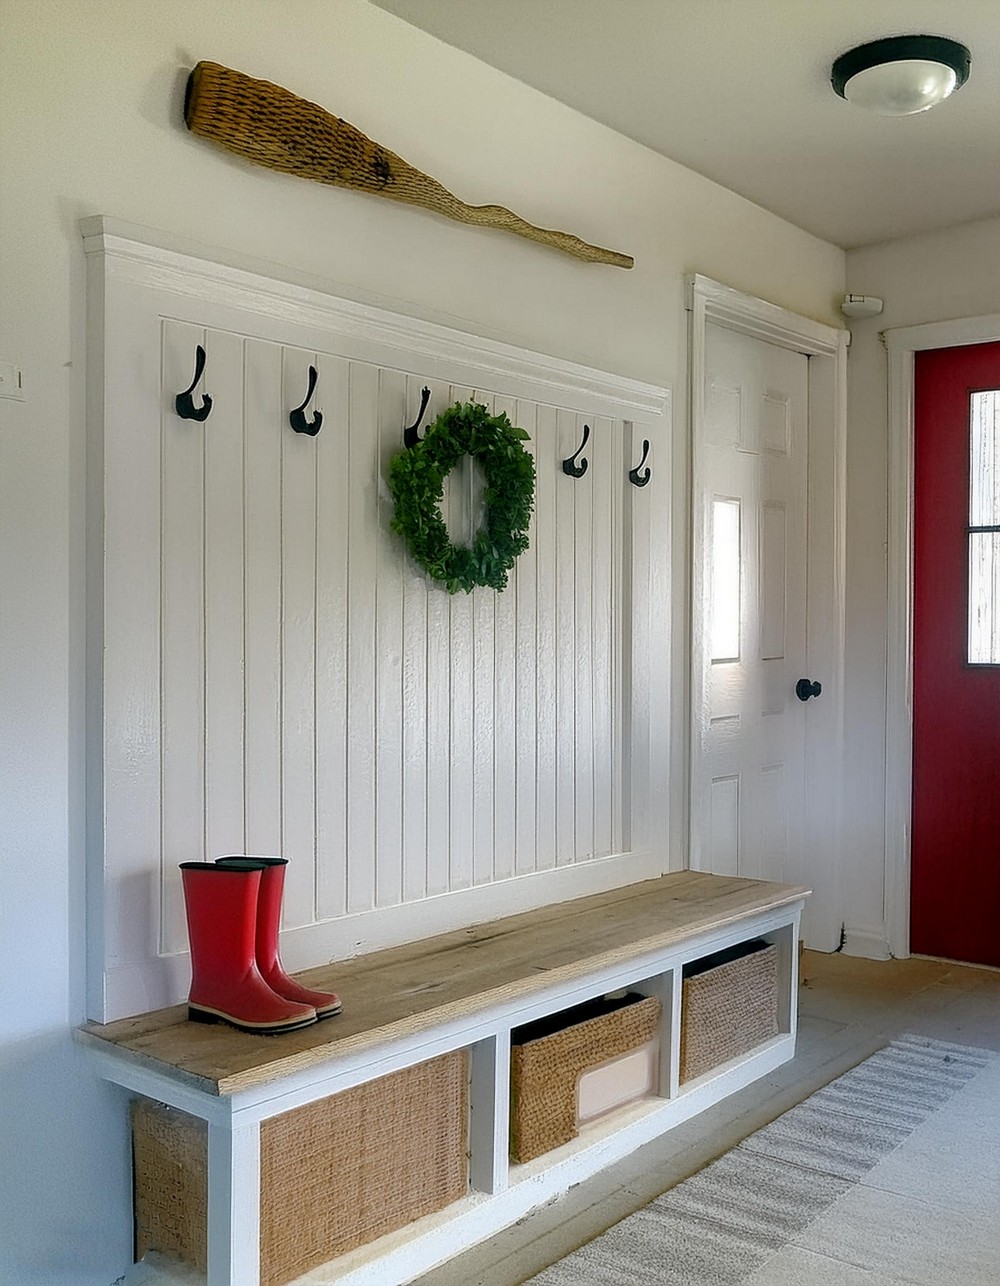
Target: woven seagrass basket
{"points": [[170, 1182], [728, 1006], [546, 1066], [334, 1174]]}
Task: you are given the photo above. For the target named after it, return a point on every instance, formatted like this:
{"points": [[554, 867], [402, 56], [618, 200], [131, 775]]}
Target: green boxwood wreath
{"points": [[416, 481]]}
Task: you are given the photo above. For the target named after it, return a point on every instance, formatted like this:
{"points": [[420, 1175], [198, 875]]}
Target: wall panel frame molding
{"points": [[268, 672]]}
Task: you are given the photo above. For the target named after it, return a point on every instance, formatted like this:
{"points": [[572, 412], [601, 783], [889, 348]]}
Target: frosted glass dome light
{"points": [[901, 75]]}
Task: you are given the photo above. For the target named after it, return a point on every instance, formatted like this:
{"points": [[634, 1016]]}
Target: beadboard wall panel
{"points": [[276, 675]]}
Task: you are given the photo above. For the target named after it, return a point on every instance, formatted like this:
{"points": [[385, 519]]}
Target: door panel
{"points": [[955, 845], [748, 765]]}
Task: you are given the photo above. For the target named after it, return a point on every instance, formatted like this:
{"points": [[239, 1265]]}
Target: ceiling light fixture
{"points": [[901, 75]]}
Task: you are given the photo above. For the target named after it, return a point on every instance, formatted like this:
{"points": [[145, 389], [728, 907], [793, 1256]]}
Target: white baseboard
{"points": [[359, 934], [136, 989], [869, 944]]}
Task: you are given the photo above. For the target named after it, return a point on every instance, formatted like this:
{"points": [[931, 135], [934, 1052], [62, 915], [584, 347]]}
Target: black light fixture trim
{"points": [[892, 49]]}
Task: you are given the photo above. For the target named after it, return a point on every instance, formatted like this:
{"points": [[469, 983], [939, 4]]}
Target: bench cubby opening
{"points": [[555, 1059]]}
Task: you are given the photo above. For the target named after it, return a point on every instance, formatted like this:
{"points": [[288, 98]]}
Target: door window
{"points": [[725, 575], [984, 528]]}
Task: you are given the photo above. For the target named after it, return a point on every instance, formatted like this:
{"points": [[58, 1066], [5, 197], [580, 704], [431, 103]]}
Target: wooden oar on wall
{"points": [[273, 127]]}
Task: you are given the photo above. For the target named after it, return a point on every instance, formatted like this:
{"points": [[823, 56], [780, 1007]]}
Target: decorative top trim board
{"points": [[946, 334], [728, 307], [148, 258]]}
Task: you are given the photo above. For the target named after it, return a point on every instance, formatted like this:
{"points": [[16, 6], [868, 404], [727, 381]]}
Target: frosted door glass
{"points": [[984, 528], [984, 598], [725, 580], [984, 464]]}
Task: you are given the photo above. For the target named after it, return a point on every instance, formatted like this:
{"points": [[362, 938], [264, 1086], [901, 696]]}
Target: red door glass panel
{"points": [[955, 842]]}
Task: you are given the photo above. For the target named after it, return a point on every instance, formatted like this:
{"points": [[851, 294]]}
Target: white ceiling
{"points": [[739, 91]]}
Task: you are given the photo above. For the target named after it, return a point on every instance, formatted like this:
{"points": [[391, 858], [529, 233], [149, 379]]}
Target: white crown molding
{"points": [[726, 306], [944, 334], [146, 258]]}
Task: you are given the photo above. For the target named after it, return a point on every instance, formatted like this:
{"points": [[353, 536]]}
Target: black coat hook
{"points": [[570, 466], [297, 418], [634, 476], [184, 402], [410, 438]]}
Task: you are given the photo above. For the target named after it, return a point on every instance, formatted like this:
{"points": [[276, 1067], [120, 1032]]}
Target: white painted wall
{"points": [[90, 99], [937, 277]]}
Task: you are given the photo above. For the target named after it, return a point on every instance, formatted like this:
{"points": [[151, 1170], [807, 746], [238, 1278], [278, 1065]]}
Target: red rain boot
{"points": [[269, 961], [221, 904], [272, 884]]}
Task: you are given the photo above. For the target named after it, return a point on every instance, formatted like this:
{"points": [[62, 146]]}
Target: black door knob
{"points": [[806, 688]]}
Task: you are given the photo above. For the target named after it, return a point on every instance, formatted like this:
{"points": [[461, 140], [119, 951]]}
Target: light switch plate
{"points": [[11, 381]]}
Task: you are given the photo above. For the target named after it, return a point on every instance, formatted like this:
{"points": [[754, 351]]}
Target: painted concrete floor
{"points": [[848, 1009]]}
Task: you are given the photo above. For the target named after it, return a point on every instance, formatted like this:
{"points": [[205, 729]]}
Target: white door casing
{"points": [[768, 456], [901, 345]]}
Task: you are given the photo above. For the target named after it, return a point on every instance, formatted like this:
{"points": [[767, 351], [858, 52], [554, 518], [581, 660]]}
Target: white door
{"points": [[748, 761]]}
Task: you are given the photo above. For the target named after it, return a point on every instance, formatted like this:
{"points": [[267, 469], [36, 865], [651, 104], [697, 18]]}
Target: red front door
{"points": [[955, 889]]}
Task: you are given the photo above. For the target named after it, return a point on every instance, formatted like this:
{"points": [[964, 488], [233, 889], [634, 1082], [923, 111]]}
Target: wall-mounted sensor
{"points": [[861, 306]]}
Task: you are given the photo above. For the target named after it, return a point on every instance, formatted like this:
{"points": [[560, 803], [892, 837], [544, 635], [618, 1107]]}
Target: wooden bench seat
{"points": [[461, 990], [411, 989]]}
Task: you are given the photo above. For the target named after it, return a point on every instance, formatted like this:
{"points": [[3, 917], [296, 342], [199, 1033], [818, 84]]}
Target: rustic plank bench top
{"points": [[410, 989]]}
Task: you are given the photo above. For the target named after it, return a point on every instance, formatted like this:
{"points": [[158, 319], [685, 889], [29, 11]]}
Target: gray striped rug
{"points": [[721, 1225]]}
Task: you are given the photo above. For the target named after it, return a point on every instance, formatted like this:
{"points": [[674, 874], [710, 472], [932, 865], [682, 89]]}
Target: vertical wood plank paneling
{"points": [[298, 647], [504, 692], [389, 655], [583, 547], [607, 477], [525, 611], [620, 613], [438, 748], [570, 432], [129, 408], [262, 571], [484, 659], [351, 708], [224, 608], [361, 574], [299, 685], [332, 506], [548, 460], [636, 661], [462, 694], [415, 689], [182, 617]]}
